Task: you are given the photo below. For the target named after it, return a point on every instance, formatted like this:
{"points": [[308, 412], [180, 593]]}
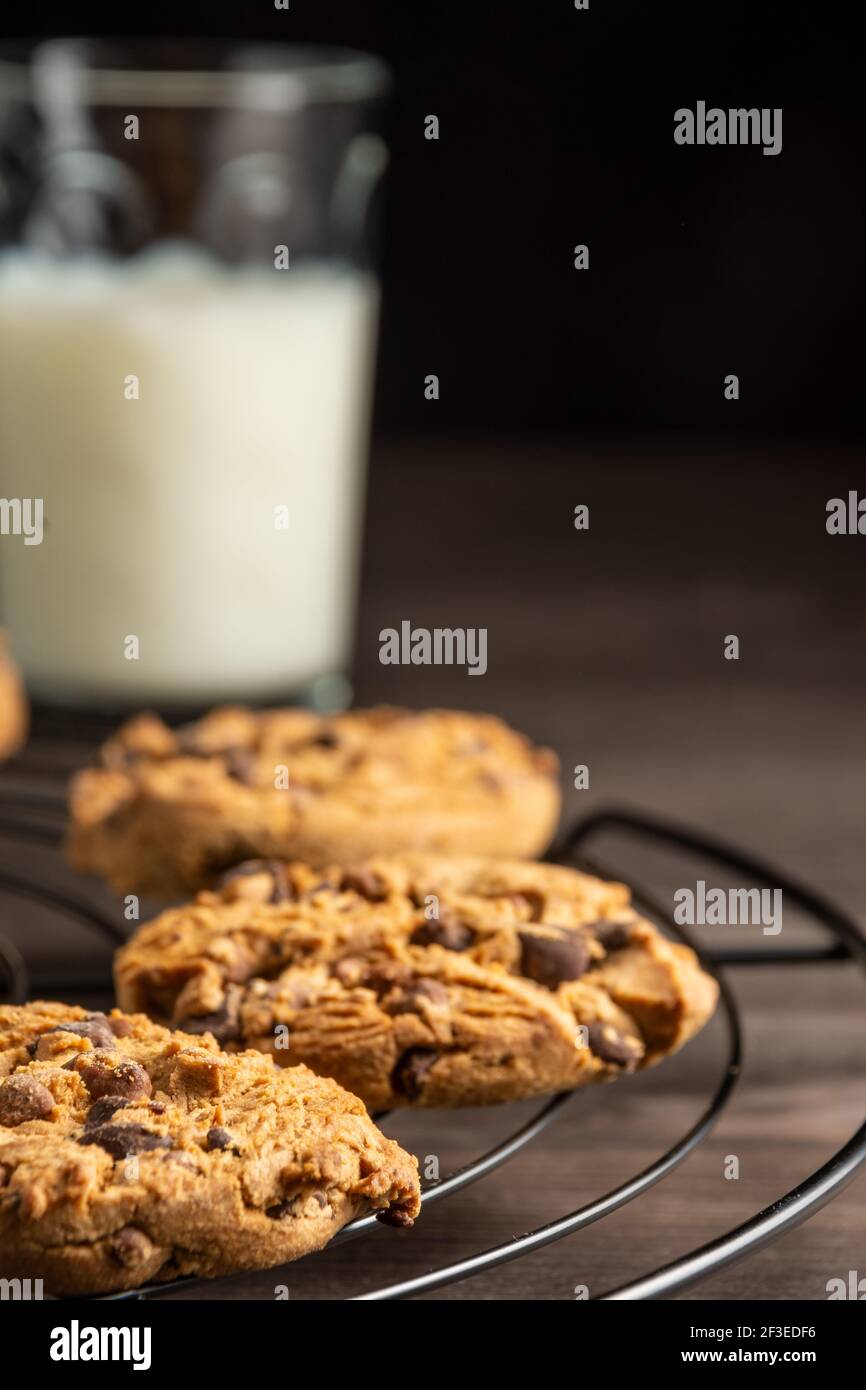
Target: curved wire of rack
{"points": [[801, 1202], [820, 1187]]}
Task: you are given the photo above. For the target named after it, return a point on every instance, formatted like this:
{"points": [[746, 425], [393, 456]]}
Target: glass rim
{"points": [[278, 76]]}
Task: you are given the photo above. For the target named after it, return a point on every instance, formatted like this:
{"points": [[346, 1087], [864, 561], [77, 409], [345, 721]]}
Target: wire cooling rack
{"points": [[22, 819]]}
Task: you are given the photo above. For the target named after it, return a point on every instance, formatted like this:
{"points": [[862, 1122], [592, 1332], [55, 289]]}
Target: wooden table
{"points": [[607, 644]]}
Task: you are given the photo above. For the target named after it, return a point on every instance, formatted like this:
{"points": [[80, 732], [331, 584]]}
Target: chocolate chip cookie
{"points": [[421, 980], [168, 810], [129, 1153], [14, 708]]}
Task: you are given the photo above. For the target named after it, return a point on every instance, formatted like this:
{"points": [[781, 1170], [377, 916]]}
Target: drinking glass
{"points": [[188, 312]]}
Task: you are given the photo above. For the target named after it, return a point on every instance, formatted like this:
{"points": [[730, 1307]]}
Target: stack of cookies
{"points": [[362, 926]]}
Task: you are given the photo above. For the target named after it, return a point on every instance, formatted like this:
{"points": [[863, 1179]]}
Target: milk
{"points": [[198, 437]]}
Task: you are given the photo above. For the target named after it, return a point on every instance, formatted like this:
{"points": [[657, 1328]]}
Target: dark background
{"points": [[557, 129]]}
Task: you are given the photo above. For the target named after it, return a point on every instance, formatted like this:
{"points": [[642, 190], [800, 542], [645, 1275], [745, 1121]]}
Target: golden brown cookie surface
{"points": [[129, 1153], [168, 810], [422, 980]]}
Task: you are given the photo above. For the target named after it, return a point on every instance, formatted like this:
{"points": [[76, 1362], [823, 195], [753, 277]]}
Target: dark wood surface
{"points": [[608, 646]]}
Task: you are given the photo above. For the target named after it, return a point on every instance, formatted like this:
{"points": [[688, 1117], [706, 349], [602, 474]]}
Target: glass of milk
{"points": [[188, 316]]}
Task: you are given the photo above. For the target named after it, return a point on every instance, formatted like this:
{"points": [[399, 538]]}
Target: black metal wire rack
{"points": [[845, 943]]}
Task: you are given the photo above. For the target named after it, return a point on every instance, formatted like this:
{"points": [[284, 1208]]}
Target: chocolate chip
{"points": [[613, 936], [120, 1027], [396, 1216], [5, 1174], [551, 960], [282, 891], [411, 1071], [416, 994], [433, 990], [131, 1247], [224, 1023], [446, 930], [367, 883], [24, 1098], [103, 1077], [95, 1027], [534, 900], [321, 1198], [326, 739], [278, 1210], [122, 1140], [101, 1112], [383, 975], [610, 1045], [221, 1139], [241, 765]]}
